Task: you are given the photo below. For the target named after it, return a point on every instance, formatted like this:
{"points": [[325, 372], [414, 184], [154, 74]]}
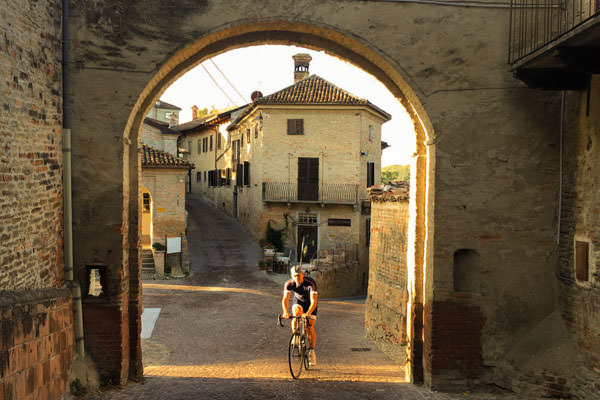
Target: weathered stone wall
{"points": [[30, 146], [36, 349], [388, 293], [580, 221]]}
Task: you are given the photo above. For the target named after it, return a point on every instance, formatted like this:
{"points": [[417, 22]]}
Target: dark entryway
{"points": [[308, 179], [307, 234]]}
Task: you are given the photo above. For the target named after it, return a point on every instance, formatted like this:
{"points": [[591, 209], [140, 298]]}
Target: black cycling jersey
{"points": [[302, 292]]}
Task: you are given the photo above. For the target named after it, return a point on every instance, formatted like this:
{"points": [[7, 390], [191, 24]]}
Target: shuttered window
{"points": [[228, 176], [198, 176], [370, 174], [368, 231], [246, 173], [295, 127], [239, 175], [248, 135]]}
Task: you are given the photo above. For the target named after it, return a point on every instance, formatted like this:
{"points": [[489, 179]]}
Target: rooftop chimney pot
{"points": [[301, 64]]}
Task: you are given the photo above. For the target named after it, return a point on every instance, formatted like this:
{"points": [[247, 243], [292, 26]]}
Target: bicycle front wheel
{"points": [[296, 355]]}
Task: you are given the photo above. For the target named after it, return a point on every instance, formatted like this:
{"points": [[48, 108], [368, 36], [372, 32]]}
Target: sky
{"points": [[270, 68]]}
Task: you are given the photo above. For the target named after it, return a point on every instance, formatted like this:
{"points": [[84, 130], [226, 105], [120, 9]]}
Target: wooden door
{"points": [[308, 179], [310, 234]]}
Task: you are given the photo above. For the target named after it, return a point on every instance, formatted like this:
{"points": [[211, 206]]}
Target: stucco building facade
{"points": [[303, 158]]}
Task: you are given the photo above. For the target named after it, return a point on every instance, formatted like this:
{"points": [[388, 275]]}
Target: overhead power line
{"points": [[220, 88], [228, 81]]}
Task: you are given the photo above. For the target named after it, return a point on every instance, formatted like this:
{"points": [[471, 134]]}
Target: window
{"points": [[248, 135], [255, 132], [228, 176], [295, 127], [242, 138], [239, 174], [368, 231], [146, 203], [190, 146], [236, 150], [307, 219], [211, 143], [370, 133], [246, 173], [198, 176], [219, 141], [581, 261], [370, 174], [205, 145], [204, 176], [199, 146]]}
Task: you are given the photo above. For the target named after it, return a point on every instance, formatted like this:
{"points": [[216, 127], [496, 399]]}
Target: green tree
{"points": [[387, 176]]}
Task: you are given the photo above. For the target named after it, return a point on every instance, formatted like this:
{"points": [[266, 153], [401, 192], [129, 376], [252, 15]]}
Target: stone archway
{"points": [[445, 63], [276, 32], [342, 46]]}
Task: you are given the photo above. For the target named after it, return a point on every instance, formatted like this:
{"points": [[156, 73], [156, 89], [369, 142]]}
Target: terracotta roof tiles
{"points": [[155, 158], [309, 91]]}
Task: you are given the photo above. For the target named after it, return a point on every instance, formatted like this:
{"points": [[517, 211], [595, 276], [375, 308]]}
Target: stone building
{"points": [[503, 179], [302, 159], [204, 139], [163, 197]]}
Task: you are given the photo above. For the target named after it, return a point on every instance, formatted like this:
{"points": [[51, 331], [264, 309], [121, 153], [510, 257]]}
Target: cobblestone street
{"points": [[216, 335]]}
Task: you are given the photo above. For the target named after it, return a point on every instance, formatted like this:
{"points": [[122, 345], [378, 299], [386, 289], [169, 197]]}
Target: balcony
{"points": [[554, 44], [294, 192]]}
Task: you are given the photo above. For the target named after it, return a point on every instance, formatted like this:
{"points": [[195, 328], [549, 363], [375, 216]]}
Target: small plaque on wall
{"points": [[339, 222]]}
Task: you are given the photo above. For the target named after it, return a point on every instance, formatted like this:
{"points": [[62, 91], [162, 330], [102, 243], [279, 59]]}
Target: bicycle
{"points": [[297, 348]]}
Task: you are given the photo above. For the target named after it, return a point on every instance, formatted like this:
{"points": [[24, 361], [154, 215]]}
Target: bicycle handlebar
{"points": [[280, 317]]}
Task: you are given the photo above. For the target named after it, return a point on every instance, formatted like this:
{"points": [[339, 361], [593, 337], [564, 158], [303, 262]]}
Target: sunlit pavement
{"points": [[216, 336]]}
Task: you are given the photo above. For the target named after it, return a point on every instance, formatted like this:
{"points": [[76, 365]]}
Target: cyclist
{"points": [[303, 303]]}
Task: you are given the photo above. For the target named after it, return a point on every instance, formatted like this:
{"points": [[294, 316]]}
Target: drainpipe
{"points": [[67, 197]]}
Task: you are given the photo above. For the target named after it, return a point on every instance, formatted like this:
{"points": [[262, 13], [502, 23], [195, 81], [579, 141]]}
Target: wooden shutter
{"points": [[239, 175], [211, 143], [295, 126], [308, 179], [246, 173], [581, 261], [370, 174], [228, 176]]}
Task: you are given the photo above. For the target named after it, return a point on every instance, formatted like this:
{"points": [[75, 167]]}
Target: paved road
{"points": [[216, 335]]}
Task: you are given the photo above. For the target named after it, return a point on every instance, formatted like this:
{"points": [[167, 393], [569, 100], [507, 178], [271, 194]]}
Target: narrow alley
{"points": [[216, 337]]}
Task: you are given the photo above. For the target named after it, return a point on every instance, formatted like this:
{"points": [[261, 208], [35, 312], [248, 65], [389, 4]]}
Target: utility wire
{"points": [[230, 84], [220, 88]]}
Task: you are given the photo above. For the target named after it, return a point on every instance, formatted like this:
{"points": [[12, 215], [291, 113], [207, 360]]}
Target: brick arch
{"points": [[334, 42]]}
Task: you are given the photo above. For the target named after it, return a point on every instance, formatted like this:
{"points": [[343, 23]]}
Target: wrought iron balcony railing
{"points": [[294, 192], [536, 23]]}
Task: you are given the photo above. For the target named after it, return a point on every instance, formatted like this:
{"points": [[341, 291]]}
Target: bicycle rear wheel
{"points": [[296, 355]]}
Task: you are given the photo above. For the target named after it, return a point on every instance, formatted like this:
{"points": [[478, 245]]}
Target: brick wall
{"points": [[388, 293], [36, 348], [580, 221], [30, 145], [106, 327]]}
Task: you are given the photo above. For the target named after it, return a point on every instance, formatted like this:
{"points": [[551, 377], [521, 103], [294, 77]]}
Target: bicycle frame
{"points": [[297, 350]]}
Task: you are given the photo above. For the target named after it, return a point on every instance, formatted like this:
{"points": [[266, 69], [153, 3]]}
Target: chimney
{"points": [[173, 120], [194, 112], [301, 63]]}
